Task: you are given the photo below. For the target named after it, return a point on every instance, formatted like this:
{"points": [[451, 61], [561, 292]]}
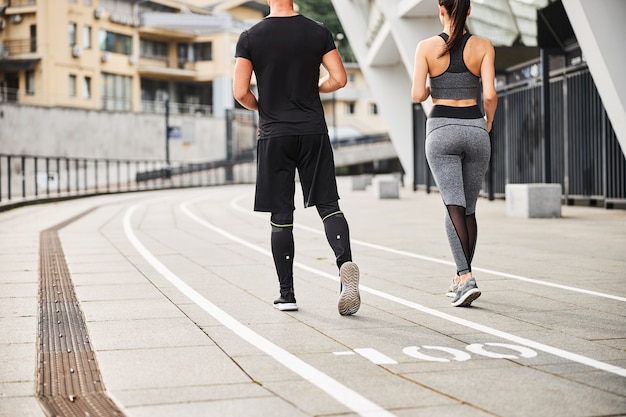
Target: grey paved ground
{"points": [[176, 288]]}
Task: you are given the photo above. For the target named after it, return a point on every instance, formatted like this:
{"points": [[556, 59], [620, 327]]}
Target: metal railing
{"points": [[18, 3], [25, 179], [15, 47], [359, 140], [14, 95], [585, 157], [158, 107]]}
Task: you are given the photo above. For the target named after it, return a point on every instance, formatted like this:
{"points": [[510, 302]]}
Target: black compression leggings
{"points": [[464, 227], [283, 247]]}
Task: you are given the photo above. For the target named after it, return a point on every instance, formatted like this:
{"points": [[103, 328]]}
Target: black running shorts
{"points": [[277, 161]]}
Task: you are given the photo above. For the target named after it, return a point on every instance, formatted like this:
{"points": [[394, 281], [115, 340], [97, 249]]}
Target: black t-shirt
{"points": [[286, 53]]}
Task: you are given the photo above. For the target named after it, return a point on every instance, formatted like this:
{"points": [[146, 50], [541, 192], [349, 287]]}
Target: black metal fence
{"points": [[26, 179], [583, 155]]}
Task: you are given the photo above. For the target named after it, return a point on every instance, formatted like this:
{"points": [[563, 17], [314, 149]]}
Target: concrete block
{"points": [[386, 186], [533, 200], [360, 182]]}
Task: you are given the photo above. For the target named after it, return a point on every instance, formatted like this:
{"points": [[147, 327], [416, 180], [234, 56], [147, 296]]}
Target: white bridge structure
{"points": [[384, 34]]}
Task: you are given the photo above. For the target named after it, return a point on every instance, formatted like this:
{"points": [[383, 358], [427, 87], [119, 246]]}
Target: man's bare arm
{"points": [[336, 77], [241, 84]]}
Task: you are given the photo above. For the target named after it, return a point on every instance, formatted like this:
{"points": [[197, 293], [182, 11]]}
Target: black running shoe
{"points": [[286, 303]]}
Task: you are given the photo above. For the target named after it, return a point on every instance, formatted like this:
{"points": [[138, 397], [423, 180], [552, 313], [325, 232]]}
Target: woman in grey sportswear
{"points": [[458, 146]]}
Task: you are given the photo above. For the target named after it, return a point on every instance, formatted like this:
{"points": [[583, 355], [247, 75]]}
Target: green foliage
{"points": [[323, 11]]}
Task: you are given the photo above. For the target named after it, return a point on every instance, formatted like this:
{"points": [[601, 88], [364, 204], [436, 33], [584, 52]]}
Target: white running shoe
{"points": [[349, 298]]}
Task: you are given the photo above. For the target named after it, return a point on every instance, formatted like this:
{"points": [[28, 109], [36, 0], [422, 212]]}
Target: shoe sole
{"points": [[286, 306], [467, 298], [349, 299]]}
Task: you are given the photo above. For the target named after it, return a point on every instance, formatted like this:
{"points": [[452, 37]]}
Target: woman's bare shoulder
{"points": [[430, 44], [436, 40], [480, 42]]}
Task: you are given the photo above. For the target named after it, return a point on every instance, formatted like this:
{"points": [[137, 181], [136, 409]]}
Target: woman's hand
{"points": [[489, 124]]}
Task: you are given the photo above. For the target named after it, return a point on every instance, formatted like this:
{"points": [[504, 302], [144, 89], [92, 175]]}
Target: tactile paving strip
{"points": [[69, 383]]}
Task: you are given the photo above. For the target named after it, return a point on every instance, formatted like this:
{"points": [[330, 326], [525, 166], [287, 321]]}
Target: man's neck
{"points": [[282, 11]]}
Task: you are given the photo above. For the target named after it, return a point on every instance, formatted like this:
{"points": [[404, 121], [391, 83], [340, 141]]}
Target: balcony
{"points": [[158, 107], [163, 67], [17, 7], [18, 3], [18, 54], [8, 95]]}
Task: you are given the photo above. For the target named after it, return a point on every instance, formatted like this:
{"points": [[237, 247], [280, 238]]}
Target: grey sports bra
{"points": [[457, 82]]}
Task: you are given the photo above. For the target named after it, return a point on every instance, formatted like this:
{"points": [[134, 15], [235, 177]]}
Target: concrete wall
{"points": [[40, 131]]}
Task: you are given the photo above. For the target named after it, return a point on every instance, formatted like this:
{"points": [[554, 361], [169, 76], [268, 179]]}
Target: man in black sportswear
{"points": [[285, 51]]}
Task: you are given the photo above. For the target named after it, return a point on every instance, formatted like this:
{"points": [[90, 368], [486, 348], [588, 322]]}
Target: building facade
{"points": [[121, 55], [352, 111], [108, 71]]}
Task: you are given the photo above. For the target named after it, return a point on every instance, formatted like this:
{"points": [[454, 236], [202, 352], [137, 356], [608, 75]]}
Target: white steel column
{"points": [[388, 66], [408, 28], [599, 28]]}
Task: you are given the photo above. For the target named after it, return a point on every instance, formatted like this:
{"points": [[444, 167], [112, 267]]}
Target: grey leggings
{"points": [[458, 149]]}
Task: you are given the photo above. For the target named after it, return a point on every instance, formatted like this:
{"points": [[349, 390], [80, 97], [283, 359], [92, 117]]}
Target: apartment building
{"points": [[94, 78], [352, 111], [122, 55]]}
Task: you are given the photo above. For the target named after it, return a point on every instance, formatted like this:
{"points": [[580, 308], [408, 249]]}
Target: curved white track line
{"points": [[234, 204], [344, 395], [476, 326]]}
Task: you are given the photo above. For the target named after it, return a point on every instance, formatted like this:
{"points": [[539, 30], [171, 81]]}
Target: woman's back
{"points": [[457, 82], [473, 55], [433, 56]]}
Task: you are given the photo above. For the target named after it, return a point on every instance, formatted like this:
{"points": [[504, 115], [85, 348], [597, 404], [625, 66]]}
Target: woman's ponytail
{"points": [[457, 10]]}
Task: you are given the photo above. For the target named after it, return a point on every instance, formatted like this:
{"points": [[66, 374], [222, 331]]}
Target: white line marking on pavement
{"points": [[476, 326], [344, 395], [459, 356], [236, 206], [375, 356], [524, 352]]}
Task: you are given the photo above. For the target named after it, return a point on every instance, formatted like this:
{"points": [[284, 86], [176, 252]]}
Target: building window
{"points": [[72, 85], [350, 107], [373, 108], [351, 78], [87, 87], [30, 82], [203, 51], [116, 92], [114, 42], [33, 38], [87, 37], [183, 54], [71, 29], [154, 49], [194, 52]]}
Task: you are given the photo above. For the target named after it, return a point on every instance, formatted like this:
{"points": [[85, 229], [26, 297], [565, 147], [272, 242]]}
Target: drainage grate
{"points": [[69, 383]]}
